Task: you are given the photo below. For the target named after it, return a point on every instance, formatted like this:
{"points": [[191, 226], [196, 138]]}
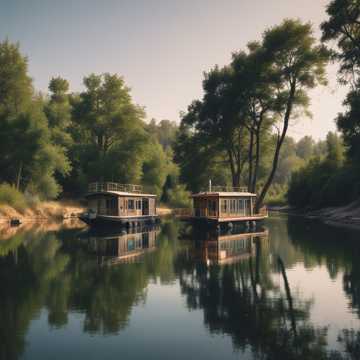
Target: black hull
{"points": [[123, 222], [206, 223]]}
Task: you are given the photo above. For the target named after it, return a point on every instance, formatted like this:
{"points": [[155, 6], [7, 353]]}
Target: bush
{"points": [[321, 184], [276, 195], [9, 195], [179, 197]]}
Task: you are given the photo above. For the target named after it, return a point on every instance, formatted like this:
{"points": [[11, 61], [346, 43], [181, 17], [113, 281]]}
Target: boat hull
{"points": [[225, 223], [118, 221]]}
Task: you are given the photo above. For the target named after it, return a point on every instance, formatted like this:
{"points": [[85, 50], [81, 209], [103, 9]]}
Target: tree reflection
{"points": [[337, 249], [57, 272], [241, 300]]}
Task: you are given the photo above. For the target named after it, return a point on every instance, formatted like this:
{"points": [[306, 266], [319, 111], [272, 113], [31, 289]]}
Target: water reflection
{"points": [[121, 246], [239, 281]]}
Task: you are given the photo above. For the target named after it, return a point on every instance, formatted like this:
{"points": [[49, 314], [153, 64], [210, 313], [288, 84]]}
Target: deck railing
{"points": [[228, 189], [111, 186]]}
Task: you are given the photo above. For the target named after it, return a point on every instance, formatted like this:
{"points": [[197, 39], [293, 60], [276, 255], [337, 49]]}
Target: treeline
{"points": [[334, 179], [57, 143]]}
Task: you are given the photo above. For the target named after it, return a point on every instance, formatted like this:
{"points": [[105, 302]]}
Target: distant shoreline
{"points": [[347, 216]]}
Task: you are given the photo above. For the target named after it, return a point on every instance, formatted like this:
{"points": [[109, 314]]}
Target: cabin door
{"points": [[145, 206]]}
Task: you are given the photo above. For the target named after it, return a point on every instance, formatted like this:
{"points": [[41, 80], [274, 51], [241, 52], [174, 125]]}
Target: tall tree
{"points": [[343, 26], [30, 166], [106, 110], [58, 111], [253, 88], [16, 87], [298, 64]]}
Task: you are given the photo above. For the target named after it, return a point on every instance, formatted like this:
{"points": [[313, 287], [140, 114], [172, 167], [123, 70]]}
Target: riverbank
{"points": [[44, 211], [347, 216], [54, 211]]}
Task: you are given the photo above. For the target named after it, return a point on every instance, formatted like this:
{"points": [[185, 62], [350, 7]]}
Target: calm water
{"points": [[289, 291]]}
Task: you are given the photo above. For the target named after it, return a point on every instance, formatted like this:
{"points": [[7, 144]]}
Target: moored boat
{"points": [[117, 204], [225, 206]]}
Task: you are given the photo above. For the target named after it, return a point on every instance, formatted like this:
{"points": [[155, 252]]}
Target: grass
{"points": [[9, 195]]}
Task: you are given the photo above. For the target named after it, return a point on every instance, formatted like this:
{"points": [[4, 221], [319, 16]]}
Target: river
{"points": [[289, 290]]}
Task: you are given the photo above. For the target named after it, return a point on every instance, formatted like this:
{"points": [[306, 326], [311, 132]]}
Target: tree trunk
{"points": [[279, 143], [257, 161], [250, 160], [18, 176], [235, 168]]}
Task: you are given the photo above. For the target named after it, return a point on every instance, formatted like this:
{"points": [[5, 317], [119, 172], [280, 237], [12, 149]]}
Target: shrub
{"points": [[179, 197], [9, 195]]}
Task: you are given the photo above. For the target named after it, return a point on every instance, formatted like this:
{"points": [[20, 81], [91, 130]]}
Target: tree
{"points": [[106, 110], [252, 83], [30, 166], [165, 132], [298, 64], [335, 149], [16, 87], [198, 160], [343, 26], [305, 147], [58, 112]]}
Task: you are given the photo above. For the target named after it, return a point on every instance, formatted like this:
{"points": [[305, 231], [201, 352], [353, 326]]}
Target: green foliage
{"points": [[29, 156], [9, 195], [305, 147], [16, 86], [343, 26], [179, 197], [165, 132], [348, 123], [326, 181]]}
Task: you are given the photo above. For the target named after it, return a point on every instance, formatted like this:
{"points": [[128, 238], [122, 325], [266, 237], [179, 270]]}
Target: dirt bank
{"points": [[342, 216], [45, 211]]}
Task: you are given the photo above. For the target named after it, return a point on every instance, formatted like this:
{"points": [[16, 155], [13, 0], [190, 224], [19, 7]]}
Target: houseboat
{"points": [[226, 206], [119, 204]]}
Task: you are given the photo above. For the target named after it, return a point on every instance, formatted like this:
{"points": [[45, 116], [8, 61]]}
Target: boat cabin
{"points": [[223, 204], [113, 202]]}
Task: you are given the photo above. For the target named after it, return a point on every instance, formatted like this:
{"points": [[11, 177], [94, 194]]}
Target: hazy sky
{"points": [[161, 47]]}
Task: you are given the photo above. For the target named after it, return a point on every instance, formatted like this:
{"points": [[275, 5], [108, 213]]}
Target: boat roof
{"points": [[223, 194], [120, 193]]}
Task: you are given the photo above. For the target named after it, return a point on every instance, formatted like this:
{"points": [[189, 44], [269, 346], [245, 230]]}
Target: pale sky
{"points": [[160, 47]]}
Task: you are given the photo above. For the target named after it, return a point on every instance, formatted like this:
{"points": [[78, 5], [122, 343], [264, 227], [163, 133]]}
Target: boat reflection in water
{"points": [[221, 248], [121, 246]]}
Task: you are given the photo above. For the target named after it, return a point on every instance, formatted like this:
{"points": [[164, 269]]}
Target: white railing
{"points": [[228, 189], [111, 186]]}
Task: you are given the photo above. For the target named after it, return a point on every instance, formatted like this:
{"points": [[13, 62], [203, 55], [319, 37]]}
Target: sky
{"points": [[160, 47]]}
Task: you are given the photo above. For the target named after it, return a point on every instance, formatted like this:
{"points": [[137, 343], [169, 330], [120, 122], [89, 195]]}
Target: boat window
{"points": [[138, 204], [224, 206], [131, 204]]}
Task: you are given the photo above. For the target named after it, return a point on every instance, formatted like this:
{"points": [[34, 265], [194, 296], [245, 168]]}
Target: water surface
{"points": [[291, 290]]}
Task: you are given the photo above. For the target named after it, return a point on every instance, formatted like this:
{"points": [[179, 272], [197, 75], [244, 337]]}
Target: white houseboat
{"points": [[119, 204]]}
